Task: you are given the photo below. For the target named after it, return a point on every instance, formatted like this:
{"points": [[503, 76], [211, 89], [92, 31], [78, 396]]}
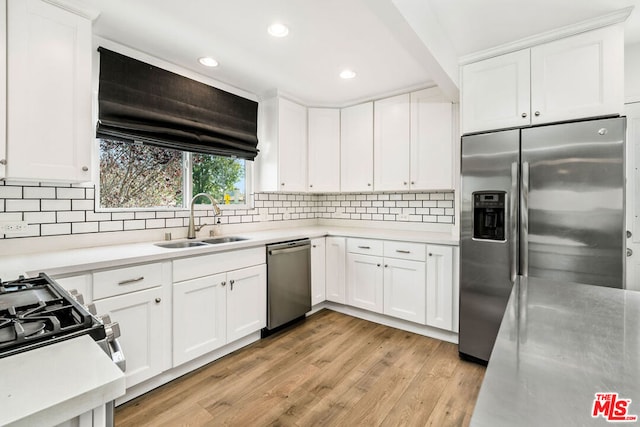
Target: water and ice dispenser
{"points": [[489, 215]]}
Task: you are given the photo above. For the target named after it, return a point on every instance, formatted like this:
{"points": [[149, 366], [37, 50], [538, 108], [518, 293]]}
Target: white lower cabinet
{"points": [[409, 281], [318, 271], [364, 282], [440, 295], [140, 315], [404, 289], [199, 318], [335, 280], [217, 307], [246, 301]]}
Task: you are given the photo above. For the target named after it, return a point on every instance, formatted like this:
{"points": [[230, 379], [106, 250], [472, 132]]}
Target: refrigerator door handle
{"points": [[513, 223], [524, 220]]}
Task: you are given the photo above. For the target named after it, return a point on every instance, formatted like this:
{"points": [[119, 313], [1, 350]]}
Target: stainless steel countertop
{"points": [[559, 344]]}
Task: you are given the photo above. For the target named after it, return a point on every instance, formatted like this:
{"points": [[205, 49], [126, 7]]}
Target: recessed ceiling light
{"points": [[278, 30], [347, 74], [208, 62]]}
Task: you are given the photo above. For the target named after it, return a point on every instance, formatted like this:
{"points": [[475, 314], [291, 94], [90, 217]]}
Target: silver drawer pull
{"points": [[364, 247], [130, 281], [402, 251]]}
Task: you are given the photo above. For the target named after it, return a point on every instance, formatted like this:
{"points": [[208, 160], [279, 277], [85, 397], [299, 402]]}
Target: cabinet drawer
{"points": [[404, 250], [205, 265], [364, 246], [124, 280]]}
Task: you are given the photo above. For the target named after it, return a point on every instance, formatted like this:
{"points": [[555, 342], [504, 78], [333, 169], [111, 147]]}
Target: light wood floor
{"points": [[332, 370]]}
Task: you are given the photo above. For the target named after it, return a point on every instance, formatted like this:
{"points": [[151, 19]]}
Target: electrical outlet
{"points": [[13, 227], [403, 217]]}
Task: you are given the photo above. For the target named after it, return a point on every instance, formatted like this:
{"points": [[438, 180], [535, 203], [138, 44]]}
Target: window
{"points": [[143, 176]]}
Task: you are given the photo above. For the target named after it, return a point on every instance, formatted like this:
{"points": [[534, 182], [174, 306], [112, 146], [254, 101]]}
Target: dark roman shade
{"points": [[142, 103]]}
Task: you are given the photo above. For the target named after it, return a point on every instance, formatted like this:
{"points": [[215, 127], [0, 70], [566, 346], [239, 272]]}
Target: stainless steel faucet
{"points": [[191, 234]]}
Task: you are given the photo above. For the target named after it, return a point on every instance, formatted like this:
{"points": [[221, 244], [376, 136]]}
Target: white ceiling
{"points": [[325, 37]]}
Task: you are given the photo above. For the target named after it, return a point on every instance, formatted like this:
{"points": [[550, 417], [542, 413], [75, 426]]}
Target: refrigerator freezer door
{"points": [[487, 266], [575, 196]]}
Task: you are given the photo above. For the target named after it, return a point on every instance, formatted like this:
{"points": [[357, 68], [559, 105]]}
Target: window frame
{"points": [[187, 188]]}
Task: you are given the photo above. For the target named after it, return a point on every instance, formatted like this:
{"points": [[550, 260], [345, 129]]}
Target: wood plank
{"points": [[332, 369]]}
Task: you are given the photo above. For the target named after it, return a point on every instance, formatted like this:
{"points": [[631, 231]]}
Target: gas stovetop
{"points": [[37, 311]]}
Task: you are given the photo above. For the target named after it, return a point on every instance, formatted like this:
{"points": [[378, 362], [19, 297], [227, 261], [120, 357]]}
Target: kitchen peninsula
{"points": [[559, 345]]}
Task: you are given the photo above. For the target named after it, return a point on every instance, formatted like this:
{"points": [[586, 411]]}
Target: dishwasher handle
{"points": [[289, 250]]}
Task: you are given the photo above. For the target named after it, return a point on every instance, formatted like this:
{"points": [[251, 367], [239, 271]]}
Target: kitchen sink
{"points": [[177, 245], [227, 239]]}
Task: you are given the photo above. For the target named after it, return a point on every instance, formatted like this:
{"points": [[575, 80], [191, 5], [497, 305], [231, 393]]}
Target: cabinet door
{"points": [[356, 148], [199, 317], [318, 271], [496, 93], [335, 269], [431, 141], [141, 325], [404, 289], [391, 143], [579, 76], [49, 106], [3, 89], [324, 150], [292, 149], [246, 301], [364, 282], [440, 286]]}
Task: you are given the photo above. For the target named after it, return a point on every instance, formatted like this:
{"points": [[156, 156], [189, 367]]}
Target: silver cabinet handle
{"points": [[378, 265], [402, 251], [364, 247], [223, 283], [158, 300], [130, 281], [368, 184], [84, 169], [3, 161], [430, 254], [405, 183], [386, 265], [413, 182], [524, 115], [537, 113], [231, 282], [629, 252], [282, 183]]}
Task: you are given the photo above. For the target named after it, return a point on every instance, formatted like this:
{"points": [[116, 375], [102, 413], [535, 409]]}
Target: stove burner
{"points": [[12, 329], [37, 311]]}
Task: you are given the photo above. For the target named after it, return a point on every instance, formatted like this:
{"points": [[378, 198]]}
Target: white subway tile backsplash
{"points": [[56, 205], [111, 226], [40, 217], [73, 209], [55, 229], [82, 205], [39, 193], [12, 205], [71, 216], [84, 227], [70, 193]]}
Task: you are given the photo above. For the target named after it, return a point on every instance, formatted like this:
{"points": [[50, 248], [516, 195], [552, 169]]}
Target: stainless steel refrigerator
{"points": [[545, 202]]}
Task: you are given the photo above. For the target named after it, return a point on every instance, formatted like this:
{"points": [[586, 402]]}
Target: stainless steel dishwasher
{"points": [[288, 282]]}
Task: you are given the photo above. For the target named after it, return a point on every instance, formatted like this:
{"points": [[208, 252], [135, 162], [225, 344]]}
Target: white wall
{"points": [[632, 73]]}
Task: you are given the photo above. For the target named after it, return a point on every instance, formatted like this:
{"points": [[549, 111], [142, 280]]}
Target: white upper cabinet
{"points": [[3, 89], [281, 164], [431, 141], [495, 93], [576, 77], [391, 142], [356, 148], [49, 128], [324, 149]]}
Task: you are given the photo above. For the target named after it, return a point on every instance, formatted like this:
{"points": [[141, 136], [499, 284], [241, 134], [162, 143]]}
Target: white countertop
{"points": [[58, 382], [77, 260]]}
